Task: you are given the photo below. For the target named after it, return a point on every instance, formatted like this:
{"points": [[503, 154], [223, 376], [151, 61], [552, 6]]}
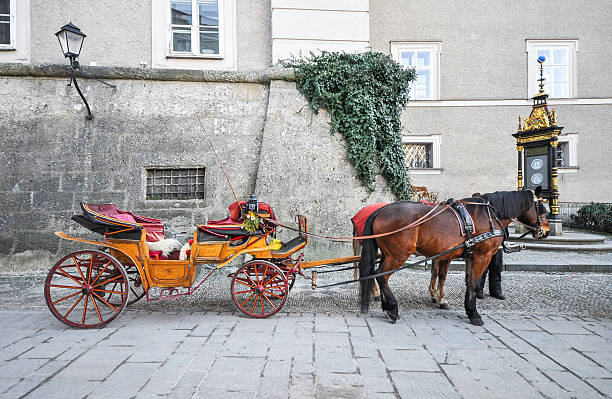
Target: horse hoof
{"points": [[377, 298], [392, 317], [477, 322], [444, 306], [433, 300]]}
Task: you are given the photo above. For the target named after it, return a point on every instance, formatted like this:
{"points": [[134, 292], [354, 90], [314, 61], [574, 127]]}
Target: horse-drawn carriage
{"points": [[89, 288]]}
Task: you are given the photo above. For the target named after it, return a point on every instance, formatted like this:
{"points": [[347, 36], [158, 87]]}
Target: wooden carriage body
{"points": [[127, 242]]}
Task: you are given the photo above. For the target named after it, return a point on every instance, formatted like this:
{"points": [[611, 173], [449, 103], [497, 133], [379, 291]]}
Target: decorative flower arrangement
{"points": [[251, 222]]}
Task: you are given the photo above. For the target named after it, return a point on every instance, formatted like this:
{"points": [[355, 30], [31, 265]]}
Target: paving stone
{"points": [[163, 380], [585, 343], [59, 389], [377, 384], [334, 360], [20, 368], [602, 357], [126, 381], [371, 367], [561, 327], [476, 358], [543, 340], [550, 389], [409, 360], [338, 379], [423, 385], [541, 361], [506, 383], [153, 353], [234, 373], [520, 324], [575, 386], [465, 382], [602, 385], [96, 364], [578, 363]]}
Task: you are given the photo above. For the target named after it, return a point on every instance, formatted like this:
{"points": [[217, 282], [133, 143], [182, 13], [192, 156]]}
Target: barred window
{"points": [[562, 155], [418, 155], [175, 183]]}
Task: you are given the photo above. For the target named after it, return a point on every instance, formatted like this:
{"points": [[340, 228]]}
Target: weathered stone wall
{"points": [[269, 140], [54, 158]]}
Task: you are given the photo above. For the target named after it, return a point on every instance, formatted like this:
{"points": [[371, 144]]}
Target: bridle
{"points": [[537, 230]]}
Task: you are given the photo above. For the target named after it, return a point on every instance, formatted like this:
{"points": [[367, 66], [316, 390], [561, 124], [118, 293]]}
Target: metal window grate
{"points": [[175, 183], [418, 156], [561, 155]]}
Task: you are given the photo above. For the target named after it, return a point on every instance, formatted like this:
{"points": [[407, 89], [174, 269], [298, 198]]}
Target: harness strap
{"points": [[429, 215], [478, 239]]}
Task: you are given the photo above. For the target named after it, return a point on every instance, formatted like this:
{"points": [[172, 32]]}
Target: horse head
{"points": [[535, 217]]}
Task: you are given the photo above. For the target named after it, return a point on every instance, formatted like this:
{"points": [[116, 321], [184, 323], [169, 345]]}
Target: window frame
{"points": [[12, 27], [435, 49], [572, 152], [434, 140], [194, 31], [532, 46]]}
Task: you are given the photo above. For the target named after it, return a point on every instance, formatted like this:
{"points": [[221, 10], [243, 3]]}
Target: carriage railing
{"points": [[592, 216]]}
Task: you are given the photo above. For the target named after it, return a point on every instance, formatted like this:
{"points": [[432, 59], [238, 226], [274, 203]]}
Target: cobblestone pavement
{"points": [[552, 338], [305, 355], [579, 294]]}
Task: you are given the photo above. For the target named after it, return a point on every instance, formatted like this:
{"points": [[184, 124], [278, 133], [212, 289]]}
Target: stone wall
{"points": [[269, 140], [54, 158]]}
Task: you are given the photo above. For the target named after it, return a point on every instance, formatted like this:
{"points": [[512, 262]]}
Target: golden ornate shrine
{"points": [[536, 143]]}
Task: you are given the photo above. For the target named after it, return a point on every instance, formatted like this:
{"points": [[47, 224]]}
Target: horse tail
{"points": [[369, 250]]}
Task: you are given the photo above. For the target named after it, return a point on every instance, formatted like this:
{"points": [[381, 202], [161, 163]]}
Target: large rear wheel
{"points": [[87, 289], [259, 288]]}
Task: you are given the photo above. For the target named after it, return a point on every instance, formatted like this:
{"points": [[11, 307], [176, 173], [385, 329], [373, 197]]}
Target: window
{"points": [[7, 24], [175, 183], [425, 59], [193, 34], [559, 67], [566, 153], [422, 154], [194, 27]]}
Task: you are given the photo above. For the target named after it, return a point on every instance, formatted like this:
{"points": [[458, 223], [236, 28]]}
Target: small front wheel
{"points": [[259, 288], [87, 289]]}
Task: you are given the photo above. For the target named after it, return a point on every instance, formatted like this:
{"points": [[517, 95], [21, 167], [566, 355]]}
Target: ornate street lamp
{"points": [[536, 143], [71, 41]]}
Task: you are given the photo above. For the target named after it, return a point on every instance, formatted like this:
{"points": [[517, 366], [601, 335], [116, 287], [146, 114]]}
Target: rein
{"points": [[467, 244], [428, 216]]}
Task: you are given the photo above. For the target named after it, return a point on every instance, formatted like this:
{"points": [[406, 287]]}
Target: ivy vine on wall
{"points": [[364, 94]]}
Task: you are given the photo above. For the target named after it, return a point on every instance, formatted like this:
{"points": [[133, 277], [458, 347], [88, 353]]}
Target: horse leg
{"points": [[433, 293], [388, 301], [442, 270], [475, 266]]}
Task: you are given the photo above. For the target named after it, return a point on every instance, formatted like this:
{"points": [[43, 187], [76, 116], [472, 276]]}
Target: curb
{"points": [[545, 268]]}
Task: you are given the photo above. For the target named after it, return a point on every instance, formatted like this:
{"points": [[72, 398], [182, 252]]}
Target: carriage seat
{"points": [[153, 227], [290, 247]]}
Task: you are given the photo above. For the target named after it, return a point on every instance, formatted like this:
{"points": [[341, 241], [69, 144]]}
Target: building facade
{"points": [[178, 62]]}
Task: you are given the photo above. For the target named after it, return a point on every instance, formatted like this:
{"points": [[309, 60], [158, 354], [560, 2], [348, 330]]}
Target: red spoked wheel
{"points": [[136, 288], [87, 289], [259, 288]]}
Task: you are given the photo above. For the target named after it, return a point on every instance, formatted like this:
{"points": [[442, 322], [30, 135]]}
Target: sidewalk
{"points": [[305, 355]]}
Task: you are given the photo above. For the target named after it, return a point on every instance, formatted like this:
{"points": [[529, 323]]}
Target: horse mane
{"points": [[509, 204]]}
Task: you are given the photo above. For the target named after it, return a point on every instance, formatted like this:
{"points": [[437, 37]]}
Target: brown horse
{"points": [[491, 212]]}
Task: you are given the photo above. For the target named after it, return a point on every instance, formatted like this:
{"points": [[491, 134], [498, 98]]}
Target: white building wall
{"points": [[299, 27]]}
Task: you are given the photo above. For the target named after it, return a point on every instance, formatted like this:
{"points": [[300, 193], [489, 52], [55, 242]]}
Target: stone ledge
{"points": [[126, 73]]}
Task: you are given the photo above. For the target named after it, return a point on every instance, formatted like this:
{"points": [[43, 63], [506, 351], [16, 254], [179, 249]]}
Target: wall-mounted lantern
{"points": [[71, 41]]}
